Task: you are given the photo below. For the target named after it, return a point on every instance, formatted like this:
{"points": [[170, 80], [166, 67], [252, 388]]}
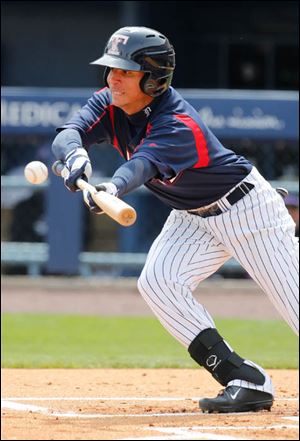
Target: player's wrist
{"points": [[108, 187]]}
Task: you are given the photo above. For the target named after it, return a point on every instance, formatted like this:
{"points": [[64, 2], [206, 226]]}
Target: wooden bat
{"points": [[118, 210]]}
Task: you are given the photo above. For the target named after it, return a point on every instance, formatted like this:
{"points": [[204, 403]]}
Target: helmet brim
{"points": [[117, 62]]}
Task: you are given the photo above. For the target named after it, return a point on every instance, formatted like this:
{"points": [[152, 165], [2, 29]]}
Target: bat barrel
{"points": [[127, 217]]}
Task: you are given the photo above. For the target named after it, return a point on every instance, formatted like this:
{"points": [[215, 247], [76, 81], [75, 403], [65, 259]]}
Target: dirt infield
{"points": [[115, 404], [221, 297], [98, 404]]}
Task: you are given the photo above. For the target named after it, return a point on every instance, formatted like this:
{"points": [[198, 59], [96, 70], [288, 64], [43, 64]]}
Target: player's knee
{"points": [[210, 351], [143, 282], [146, 278]]}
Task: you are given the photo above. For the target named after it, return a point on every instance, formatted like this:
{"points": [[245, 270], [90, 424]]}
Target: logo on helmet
{"points": [[114, 42]]}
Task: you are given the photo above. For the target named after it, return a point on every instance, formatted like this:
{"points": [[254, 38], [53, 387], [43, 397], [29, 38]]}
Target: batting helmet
{"points": [[141, 49]]}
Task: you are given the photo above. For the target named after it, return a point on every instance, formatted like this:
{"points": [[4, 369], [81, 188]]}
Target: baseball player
{"points": [[221, 206]]}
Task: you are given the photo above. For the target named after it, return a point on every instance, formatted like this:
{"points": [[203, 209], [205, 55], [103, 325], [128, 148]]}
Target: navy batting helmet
{"points": [[141, 49]]}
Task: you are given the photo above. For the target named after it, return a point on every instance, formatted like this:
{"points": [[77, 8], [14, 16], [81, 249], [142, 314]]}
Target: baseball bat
{"points": [[114, 207]]}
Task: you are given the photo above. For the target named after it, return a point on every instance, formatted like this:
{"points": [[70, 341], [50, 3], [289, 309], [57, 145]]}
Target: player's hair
{"points": [[141, 49]]}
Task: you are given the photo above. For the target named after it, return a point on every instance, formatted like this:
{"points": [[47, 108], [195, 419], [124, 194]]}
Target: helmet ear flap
{"points": [[148, 85], [105, 75]]}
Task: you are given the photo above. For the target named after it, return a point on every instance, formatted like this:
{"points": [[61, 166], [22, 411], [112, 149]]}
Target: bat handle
{"points": [[83, 185], [57, 167]]}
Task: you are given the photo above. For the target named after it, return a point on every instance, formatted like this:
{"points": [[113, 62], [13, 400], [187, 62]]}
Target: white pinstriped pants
{"points": [[257, 231]]}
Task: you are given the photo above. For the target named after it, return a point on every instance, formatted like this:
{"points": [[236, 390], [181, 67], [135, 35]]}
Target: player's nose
{"points": [[115, 75]]}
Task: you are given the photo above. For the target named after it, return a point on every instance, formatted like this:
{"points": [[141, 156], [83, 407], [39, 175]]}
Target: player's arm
{"points": [[67, 147], [127, 178], [90, 125]]}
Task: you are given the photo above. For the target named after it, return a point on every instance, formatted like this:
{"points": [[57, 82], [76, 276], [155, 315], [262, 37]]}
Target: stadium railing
{"points": [[34, 256]]}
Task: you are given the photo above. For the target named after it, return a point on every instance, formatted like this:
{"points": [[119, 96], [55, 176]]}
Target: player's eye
{"points": [[128, 73]]}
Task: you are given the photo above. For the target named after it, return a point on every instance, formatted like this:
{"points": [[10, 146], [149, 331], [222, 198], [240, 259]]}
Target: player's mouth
{"points": [[117, 93]]}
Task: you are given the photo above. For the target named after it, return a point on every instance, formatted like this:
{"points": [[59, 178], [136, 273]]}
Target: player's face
{"points": [[125, 90]]}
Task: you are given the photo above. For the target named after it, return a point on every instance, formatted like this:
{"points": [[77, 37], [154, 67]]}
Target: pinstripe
{"points": [[264, 246], [163, 236], [287, 267], [168, 303], [158, 269], [210, 258], [288, 248], [254, 253], [276, 258], [257, 256], [199, 240], [279, 269], [200, 272], [173, 275], [158, 295], [234, 234], [162, 314], [191, 248], [197, 305], [167, 300], [161, 266], [261, 278]]}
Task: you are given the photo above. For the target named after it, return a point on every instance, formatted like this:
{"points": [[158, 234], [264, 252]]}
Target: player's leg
{"points": [[183, 255], [180, 257], [260, 234]]}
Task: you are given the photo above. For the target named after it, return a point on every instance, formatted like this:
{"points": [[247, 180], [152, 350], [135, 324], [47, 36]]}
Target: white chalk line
{"points": [[28, 407], [198, 432], [101, 399], [186, 435], [292, 418], [196, 399], [180, 433], [6, 404]]}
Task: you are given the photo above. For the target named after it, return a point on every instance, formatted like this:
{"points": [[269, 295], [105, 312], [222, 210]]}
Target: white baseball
{"points": [[36, 172]]}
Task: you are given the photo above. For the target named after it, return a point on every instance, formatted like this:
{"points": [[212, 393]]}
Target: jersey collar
{"points": [[143, 115]]}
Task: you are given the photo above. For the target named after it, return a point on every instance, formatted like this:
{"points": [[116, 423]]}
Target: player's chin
{"points": [[118, 101], [118, 97], [121, 103]]}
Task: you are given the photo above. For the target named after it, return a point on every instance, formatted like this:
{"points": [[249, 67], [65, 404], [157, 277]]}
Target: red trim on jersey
{"points": [[112, 120], [100, 90], [96, 122], [149, 128], [199, 139]]}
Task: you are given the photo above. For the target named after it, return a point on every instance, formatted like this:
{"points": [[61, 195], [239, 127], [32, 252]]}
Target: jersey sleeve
{"points": [[93, 119], [171, 147]]}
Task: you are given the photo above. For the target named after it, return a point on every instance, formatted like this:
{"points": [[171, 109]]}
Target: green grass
{"points": [[48, 341]]}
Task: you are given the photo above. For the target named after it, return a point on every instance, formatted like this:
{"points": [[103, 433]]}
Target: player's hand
{"points": [[77, 165], [108, 187]]}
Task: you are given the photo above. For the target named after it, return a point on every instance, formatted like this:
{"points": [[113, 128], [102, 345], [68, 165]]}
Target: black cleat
{"points": [[237, 399]]}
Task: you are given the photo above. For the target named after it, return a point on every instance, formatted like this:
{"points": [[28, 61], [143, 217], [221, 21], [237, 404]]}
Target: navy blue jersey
{"points": [[193, 167]]}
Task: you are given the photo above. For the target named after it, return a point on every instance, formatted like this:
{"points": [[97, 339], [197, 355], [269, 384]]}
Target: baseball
{"points": [[36, 172]]}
